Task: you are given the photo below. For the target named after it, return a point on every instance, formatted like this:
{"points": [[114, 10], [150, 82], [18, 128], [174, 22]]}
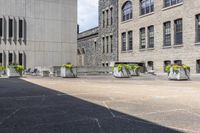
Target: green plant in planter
{"points": [[2, 68], [69, 66], [176, 67], [127, 66], [19, 68]]}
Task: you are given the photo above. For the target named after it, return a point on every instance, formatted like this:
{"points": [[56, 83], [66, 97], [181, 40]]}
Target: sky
{"points": [[87, 14]]}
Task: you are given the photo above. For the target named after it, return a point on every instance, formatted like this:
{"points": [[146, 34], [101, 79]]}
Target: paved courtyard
{"points": [[98, 104]]}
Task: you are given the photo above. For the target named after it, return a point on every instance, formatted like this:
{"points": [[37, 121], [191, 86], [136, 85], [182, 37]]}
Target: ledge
{"points": [[167, 47], [145, 15], [197, 43], [150, 48], [123, 22], [177, 46], [173, 6]]}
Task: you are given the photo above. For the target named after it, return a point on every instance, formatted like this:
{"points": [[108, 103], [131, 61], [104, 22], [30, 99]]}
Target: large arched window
{"points": [[127, 11]]}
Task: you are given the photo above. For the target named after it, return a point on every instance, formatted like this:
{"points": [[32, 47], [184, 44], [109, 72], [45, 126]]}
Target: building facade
{"points": [[38, 32], [160, 32], [108, 33], [106, 49], [87, 47]]}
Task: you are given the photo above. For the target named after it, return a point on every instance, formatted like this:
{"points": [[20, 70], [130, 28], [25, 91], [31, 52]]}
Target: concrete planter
{"points": [[1, 73], [68, 73], [180, 74], [45, 73], [121, 74], [135, 72], [12, 73]]}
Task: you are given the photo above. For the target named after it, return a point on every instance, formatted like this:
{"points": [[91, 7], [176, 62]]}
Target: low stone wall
{"points": [[94, 70]]}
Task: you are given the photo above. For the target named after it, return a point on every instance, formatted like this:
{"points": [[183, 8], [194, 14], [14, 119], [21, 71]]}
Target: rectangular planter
{"points": [[12, 73], [68, 73], [135, 72], [121, 74], [180, 74], [1, 73]]}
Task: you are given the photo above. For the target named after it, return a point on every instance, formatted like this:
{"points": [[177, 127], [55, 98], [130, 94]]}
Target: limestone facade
{"points": [[183, 21]]}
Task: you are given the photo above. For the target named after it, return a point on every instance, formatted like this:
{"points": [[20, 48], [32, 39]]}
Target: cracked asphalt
{"points": [[99, 104]]}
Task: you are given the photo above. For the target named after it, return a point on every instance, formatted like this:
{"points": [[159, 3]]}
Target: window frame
{"points": [[146, 7], [142, 38], [178, 32], [167, 34], [127, 11], [151, 38], [123, 43]]}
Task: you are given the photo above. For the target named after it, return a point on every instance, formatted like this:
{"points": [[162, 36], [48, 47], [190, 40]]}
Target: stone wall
{"points": [[188, 52], [87, 47]]}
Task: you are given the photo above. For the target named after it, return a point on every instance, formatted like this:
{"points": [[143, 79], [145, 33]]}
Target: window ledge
{"points": [[123, 22], [144, 49], [150, 48], [197, 43], [169, 7], [167, 47], [145, 15], [177, 45]]}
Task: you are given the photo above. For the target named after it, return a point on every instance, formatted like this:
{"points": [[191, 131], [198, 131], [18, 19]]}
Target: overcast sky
{"points": [[87, 14]]}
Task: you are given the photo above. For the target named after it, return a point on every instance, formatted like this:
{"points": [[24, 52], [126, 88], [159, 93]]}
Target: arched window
{"points": [[127, 11]]}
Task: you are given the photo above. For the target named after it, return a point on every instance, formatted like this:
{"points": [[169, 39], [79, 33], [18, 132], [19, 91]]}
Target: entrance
{"points": [[198, 66]]}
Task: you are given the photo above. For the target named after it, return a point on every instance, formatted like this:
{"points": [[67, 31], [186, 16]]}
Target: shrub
{"points": [[2, 68], [127, 66], [18, 68], [176, 67], [68, 65]]}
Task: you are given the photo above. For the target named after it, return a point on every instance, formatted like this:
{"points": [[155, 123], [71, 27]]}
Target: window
{"points": [[198, 28], [142, 38], [111, 16], [1, 27], [83, 51], [150, 66], [127, 11], [10, 58], [103, 18], [20, 28], [167, 34], [168, 3], [20, 59], [111, 44], [178, 32], [1, 59], [166, 63], [124, 41], [146, 6], [107, 44], [151, 37], [107, 18], [10, 28], [130, 40], [95, 45], [103, 42], [78, 52], [178, 62], [198, 66]]}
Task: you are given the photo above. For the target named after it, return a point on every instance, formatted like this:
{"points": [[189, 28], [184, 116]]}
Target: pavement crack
{"points": [[98, 123], [113, 115], [10, 115]]}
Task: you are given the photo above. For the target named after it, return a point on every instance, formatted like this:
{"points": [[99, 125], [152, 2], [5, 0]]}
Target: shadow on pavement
{"points": [[29, 108]]}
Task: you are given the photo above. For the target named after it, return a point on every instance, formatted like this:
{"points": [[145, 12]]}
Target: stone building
{"points": [[87, 47], [105, 41], [160, 32], [38, 32]]}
